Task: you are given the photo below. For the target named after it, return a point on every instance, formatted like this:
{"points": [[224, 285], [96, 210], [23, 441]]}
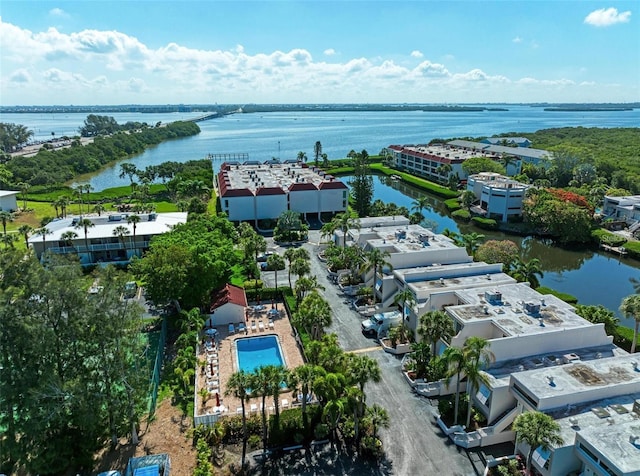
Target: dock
{"points": [[614, 249]]}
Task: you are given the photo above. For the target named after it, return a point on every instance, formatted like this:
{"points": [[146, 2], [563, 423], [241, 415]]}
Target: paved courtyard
{"points": [[414, 443]]}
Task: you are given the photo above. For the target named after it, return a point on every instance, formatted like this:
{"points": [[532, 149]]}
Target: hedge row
{"points": [[485, 223], [420, 183], [633, 248]]}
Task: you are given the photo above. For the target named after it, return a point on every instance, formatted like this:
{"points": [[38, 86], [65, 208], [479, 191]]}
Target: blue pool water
{"points": [[254, 352]]}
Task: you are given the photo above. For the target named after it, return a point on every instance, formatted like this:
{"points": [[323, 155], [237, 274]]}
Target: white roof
{"points": [[103, 227], [8, 193]]}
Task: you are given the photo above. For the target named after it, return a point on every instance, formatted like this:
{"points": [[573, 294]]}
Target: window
{"points": [[226, 204]]}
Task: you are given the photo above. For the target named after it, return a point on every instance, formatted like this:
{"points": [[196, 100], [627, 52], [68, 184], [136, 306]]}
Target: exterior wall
{"points": [[226, 314], [501, 400], [333, 200], [304, 201], [9, 203], [498, 195], [239, 208], [270, 206]]}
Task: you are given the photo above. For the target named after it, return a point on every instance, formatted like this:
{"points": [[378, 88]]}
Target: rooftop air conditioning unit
{"points": [[493, 296], [531, 308]]}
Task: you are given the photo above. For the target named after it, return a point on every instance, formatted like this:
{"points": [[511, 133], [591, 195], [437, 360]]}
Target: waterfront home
{"points": [[500, 197], [8, 200], [110, 238], [625, 208], [252, 191]]}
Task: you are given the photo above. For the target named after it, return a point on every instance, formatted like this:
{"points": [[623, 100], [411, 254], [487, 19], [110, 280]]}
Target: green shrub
{"points": [[623, 338], [420, 183], [485, 223], [452, 204], [601, 235], [633, 248], [461, 214], [251, 284], [233, 427], [254, 441], [564, 296]]}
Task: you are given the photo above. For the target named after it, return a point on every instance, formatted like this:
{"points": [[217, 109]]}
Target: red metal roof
{"points": [[229, 294], [336, 184], [295, 187], [270, 191]]}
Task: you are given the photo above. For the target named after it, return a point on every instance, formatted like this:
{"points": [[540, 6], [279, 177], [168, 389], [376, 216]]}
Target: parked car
{"points": [[262, 258], [379, 324], [130, 289]]}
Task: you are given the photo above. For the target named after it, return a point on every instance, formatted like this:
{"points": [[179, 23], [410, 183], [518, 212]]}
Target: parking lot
{"points": [[413, 443]]}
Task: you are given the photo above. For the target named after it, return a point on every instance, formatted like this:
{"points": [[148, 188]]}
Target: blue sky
{"points": [[151, 52]]}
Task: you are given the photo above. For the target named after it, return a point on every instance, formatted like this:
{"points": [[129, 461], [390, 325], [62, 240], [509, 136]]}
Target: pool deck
{"points": [[228, 364]]}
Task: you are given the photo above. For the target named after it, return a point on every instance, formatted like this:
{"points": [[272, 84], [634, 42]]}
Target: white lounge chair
{"points": [[261, 326], [254, 408], [232, 329], [253, 326], [239, 410], [241, 328], [270, 323], [285, 403]]}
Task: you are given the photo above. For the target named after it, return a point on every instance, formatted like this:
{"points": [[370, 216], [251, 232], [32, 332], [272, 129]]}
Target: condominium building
{"points": [[500, 197], [110, 238], [254, 191]]}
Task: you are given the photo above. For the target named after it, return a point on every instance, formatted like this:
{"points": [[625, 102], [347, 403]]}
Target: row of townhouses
{"points": [[547, 357]]}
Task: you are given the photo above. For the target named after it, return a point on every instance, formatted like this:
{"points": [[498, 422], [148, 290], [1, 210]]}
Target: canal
{"points": [[594, 277]]}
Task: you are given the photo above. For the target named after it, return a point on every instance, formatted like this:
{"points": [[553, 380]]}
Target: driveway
{"points": [[413, 443]]}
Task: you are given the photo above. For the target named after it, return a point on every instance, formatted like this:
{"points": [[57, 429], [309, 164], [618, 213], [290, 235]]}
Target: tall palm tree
{"points": [[346, 222], [420, 204], [455, 361], [536, 429], [302, 156], [43, 232], [134, 220], [477, 356], [238, 385], [68, 237], [64, 202], [5, 217], [435, 326], [275, 262], [85, 224], [24, 189], [9, 240], [99, 208], [630, 307], [328, 229], [305, 285], [375, 260], [261, 386], [300, 267], [314, 315], [25, 231], [277, 374], [404, 298], [529, 271], [302, 381], [121, 231], [363, 369]]}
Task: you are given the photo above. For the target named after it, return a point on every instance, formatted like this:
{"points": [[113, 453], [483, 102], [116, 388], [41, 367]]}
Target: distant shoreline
{"points": [[251, 108]]}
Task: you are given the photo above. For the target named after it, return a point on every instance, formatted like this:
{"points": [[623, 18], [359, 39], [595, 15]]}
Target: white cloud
{"points": [[20, 76], [607, 17], [416, 54], [58, 12], [517, 39], [329, 52]]}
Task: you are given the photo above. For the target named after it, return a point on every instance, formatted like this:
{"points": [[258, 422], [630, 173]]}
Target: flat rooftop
{"points": [[497, 181], [402, 239], [105, 224], [609, 426], [450, 152], [393, 220], [519, 310], [252, 176], [583, 381]]}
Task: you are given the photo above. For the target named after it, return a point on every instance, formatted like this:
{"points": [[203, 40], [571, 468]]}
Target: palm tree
{"points": [[24, 188], [630, 307], [99, 208], [277, 375], [134, 220], [507, 160], [261, 386], [375, 260], [5, 217], [455, 361], [85, 224], [302, 380], [305, 285], [121, 231], [302, 157], [477, 355], [363, 369], [378, 417], [238, 385], [328, 229], [528, 271], [313, 314], [25, 230], [345, 222], [420, 204], [64, 202], [68, 237], [275, 262], [43, 232], [404, 298], [467, 198], [300, 267], [435, 326], [9, 240], [471, 241], [128, 170], [536, 429]]}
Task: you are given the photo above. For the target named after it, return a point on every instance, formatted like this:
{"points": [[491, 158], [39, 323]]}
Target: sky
{"points": [[314, 51]]}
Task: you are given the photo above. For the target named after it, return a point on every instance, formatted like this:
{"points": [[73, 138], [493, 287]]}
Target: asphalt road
{"points": [[414, 444]]}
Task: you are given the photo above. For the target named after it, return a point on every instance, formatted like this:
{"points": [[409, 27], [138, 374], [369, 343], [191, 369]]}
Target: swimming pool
{"points": [[254, 352]]}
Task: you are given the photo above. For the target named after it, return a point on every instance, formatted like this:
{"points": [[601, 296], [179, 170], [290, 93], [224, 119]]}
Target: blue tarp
{"points": [[153, 470]]}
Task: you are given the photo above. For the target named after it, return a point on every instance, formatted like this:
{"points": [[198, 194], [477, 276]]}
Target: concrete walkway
{"points": [[413, 443]]}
